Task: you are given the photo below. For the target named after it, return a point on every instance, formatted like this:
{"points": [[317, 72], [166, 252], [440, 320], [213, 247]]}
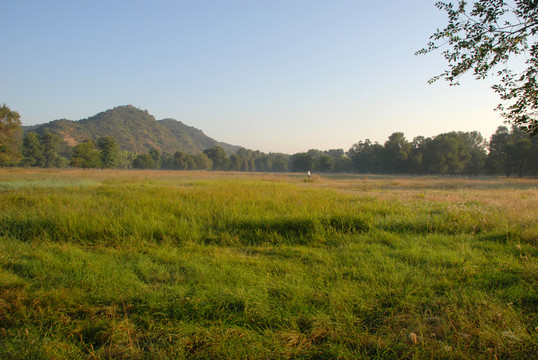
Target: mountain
{"points": [[135, 130]]}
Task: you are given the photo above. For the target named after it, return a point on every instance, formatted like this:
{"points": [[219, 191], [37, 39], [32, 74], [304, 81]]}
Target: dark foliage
{"points": [[488, 33]]}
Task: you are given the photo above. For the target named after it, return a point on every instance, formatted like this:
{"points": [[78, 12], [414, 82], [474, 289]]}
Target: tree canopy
{"points": [[32, 150], [110, 151], [303, 162], [85, 156], [509, 152], [143, 161], [51, 144], [10, 130], [218, 157], [486, 33]]}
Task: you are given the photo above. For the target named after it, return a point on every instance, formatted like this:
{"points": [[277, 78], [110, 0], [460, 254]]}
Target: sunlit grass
{"points": [[134, 264]]}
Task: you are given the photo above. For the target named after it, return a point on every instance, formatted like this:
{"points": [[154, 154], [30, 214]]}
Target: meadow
{"points": [[108, 264]]}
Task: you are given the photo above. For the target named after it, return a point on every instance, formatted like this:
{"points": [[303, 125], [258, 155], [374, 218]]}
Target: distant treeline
{"points": [[508, 152], [454, 153]]}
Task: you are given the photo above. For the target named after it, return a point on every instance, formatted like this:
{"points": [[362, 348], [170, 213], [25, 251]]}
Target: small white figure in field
{"points": [[308, 173]]}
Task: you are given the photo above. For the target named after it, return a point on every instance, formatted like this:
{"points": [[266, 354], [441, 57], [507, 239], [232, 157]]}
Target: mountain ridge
{"points": [[135, 130]]}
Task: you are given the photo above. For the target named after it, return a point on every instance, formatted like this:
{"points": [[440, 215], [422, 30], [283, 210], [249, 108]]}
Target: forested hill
{"points": [[135, 130]]}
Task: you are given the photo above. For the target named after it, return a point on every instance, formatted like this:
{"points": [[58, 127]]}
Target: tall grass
{"points": [[121, 264]]}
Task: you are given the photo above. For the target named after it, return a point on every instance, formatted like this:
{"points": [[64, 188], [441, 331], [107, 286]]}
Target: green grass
{"points": [[172, 265]]}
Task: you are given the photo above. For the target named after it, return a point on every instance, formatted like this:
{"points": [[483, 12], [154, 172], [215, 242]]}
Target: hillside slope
{"points": [[135, 130]]}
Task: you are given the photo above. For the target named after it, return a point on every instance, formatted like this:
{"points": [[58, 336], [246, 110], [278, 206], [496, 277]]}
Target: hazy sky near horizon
{"points": [[274, 75]]}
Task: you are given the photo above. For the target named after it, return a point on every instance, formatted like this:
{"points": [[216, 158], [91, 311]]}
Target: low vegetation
{"points": [[168, 265]]}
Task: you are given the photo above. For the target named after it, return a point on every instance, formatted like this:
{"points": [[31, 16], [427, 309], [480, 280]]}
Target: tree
{"points": [[496, 161], [264, 163], [202, 162], [10, 136], [280, 163], [518, 152], [533, 167], [156, 156], [325, 163], [251, 164], [397, 150], [414, 163], [182, 161], [110, 152], [32, 151], [144, 161], [235, 162], [343, 164], [302, 162], [512, 152], [218, 157], [335, 153], [245, 155], [51, 144], [191, 163], [489, 33], [167, 160], [85, 156], [476, 146], [445, 154], [315, 153], [367, 157], [244, 164], [126, 159]]}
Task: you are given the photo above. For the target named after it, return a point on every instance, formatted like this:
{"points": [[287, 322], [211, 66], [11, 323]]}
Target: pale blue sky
{"points": [[272, 75]]}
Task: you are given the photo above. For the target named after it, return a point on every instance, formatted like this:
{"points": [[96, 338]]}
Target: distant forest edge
{"points": [[127, 137]]}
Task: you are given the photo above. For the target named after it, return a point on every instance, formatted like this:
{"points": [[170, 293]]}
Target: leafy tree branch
{"points": [[485, 34]]}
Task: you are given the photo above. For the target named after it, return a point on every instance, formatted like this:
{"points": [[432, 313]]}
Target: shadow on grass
{"points": [[294, 230]]}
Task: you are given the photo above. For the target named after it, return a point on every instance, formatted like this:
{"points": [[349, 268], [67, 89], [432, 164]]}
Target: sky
{"points": [[271, 75]]}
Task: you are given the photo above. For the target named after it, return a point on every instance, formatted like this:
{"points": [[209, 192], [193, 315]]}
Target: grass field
{"points": [[104, 264]]}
